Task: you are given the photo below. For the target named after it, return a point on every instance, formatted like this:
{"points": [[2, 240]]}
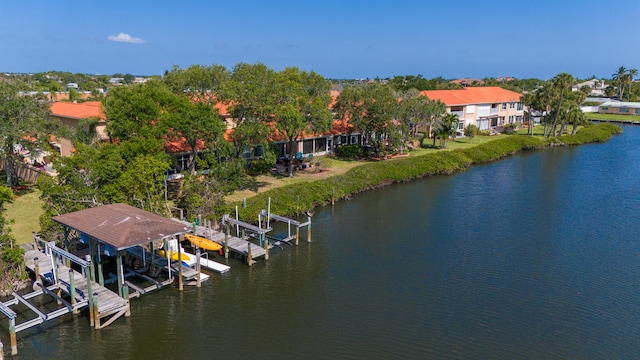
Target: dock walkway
{"points": [[109, 303], [236, 244]]}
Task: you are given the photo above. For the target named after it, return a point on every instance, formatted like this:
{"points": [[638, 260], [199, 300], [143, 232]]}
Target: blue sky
{"points": [[336, 38]]}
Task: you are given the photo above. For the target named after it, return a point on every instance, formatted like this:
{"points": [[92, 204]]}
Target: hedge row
{"points": [[296, 198]]}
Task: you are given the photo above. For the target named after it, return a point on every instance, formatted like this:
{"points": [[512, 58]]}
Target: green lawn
{"points": [[612, 117], [25, 211]]}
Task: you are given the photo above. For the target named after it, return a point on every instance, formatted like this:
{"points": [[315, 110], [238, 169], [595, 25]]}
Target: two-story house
{"points": [[486, 107], [72, 115]]}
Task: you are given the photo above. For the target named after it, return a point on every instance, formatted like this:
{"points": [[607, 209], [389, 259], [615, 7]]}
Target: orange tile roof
{"points": [[78, 111], [472, 95], [179, 145]]}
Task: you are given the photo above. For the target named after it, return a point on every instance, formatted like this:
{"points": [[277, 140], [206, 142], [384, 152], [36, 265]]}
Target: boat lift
{"points": [[268, 216]]}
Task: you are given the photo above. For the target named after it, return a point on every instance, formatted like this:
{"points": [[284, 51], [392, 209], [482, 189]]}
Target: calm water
{"points": [[536, 256]]}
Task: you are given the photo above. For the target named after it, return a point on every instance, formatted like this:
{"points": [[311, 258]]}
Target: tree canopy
{"points": [[24, 124]]}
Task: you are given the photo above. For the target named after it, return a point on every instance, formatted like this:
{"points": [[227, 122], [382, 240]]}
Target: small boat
{"points": [[203, 243], [173, 255]]}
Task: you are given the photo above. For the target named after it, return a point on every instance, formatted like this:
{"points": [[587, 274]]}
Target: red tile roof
{"points": [[473, 95], [78, 111]]}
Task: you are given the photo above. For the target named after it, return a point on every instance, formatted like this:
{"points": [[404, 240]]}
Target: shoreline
{"points": [[294, 199]]}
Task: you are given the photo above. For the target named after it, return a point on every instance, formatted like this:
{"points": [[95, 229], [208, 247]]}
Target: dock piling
{"points": [[37, 269], [12, 336], [96, 312], [249, 259], [265, 243], [72, 290], [226, 242], [198, 281]]}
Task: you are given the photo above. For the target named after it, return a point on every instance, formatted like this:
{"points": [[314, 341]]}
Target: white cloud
{"points": [[122, 37]]}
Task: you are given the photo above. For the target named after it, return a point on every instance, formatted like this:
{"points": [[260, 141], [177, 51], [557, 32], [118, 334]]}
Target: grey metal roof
{"points": [[121, 225], [621, 104]]}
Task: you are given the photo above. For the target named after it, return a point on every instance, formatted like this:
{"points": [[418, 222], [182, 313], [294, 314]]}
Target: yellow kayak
{"points": [[173, 254], [203, 243]]}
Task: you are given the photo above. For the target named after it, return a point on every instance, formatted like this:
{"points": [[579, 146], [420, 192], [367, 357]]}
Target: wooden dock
{"points": [[108, 302], [236, 244]]}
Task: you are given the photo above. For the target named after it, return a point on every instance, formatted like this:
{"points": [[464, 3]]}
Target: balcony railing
{"points": [[459, 113]]}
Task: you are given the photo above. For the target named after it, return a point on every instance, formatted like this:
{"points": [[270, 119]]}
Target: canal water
{"points": [[533, 257]]}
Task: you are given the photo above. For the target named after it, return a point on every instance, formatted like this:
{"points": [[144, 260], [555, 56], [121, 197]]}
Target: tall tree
{"points": [[416, 111], [135, 110], [561, 83], [371, 110], [194, 124], [620, 78], [203, 83], [529, 102], [250, 95], [24, 124], [301, 105]]}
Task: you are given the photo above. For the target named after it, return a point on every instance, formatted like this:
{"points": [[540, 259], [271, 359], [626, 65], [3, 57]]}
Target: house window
{"points": [[519, 118], [320, 145], [512, 105], [605, 108], [520, 106], [307, 146], [461, 125], [624, 110], [504, 106], [511, 119], [501, 120]]}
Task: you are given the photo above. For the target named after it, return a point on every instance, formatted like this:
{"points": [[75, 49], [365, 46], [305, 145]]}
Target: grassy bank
{"points": [[298, 197], [24, 213], [613, 117]]}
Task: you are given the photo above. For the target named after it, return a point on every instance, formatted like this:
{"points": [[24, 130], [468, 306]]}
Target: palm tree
{"points": [[576, 117], [630, 74], [528, 101], [447, 127], [561, 84], [620, 78]]}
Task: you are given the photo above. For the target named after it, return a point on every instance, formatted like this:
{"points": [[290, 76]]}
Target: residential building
{"points": [[72, 115], [597, 87], [486, 107], [620, 108]]}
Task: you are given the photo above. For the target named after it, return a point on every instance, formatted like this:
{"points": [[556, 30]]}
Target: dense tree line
{"points": [[181, 108]]}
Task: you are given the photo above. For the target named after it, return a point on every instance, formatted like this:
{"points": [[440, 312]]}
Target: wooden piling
{"points": [[37, 269], [72, 290], [309, 229], [87, 276], [12, 337], [226, 241], [96, 311], [333, 196], [120, 274], [180, 285], [99, 265], [198, 281], [265, 244], [297, 234], [91, 268], [249, 259]]}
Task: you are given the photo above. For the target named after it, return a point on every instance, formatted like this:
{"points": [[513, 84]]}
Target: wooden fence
{"points": [[26, 172]]}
